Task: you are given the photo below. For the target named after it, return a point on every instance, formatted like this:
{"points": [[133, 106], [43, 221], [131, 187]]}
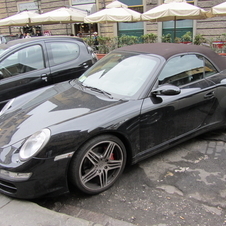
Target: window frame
{"points": [[190, 77], [19, 52]]}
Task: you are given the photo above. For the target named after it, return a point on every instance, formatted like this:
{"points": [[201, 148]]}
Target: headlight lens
{"points": [[34, 144], [7, 106]]}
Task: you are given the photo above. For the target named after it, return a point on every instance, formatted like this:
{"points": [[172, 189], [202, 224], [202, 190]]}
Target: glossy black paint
{"points": [[160, 118], [13, 86]]}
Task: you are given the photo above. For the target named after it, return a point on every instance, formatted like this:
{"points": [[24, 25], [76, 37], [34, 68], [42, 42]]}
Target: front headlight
{"points": [[34, 144]]}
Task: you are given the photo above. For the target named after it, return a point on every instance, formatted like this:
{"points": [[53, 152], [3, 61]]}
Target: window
{"points": [[133, 29], [60, 52], [22, 61], [184, 69]]}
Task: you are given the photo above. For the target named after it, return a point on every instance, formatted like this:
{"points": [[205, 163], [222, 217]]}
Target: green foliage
{"points": [[149, 38], [187, 37], [221, 37], [199, 39], [126, 40], [89, 40], [177, 40], [104, 44], [167, 38]]}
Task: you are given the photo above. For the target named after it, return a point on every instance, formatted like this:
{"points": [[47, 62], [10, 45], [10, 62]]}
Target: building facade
{"points": [[209, 28]]}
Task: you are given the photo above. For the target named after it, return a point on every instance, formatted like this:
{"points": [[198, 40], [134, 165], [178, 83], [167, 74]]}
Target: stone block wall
{"points": [[214, 27]]}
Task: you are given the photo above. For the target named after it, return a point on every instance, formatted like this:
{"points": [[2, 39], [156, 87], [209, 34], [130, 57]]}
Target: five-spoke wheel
{"points": [[98, 164]]}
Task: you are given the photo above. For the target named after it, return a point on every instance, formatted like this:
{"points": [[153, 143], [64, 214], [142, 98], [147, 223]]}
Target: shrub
{"points": [[149, 38], [167, 38]]}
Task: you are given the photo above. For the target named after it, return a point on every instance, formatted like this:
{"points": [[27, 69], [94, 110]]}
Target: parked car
{"points": [[135, 102], [7, 38], [31, 63]]}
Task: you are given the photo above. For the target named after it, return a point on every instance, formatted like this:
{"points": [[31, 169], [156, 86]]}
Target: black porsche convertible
{"points": [[135, 102]]}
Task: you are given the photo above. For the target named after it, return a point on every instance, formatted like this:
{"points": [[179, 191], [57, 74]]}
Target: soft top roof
{"points": [[168, 50]]}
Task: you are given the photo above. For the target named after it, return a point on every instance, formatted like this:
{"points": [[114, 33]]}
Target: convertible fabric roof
{"points": [[168, 50]]}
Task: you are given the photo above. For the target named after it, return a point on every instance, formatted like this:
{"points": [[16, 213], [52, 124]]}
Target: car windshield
{"points": [[122, 74]]}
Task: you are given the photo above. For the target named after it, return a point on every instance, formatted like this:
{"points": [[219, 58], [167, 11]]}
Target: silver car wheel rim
{"points": [[101, 165]]}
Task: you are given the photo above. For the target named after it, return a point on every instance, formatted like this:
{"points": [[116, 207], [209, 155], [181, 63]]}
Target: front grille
{"points": [[7, 187]]}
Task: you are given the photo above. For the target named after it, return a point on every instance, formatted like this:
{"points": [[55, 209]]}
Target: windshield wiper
{"points": [[99, 91]]}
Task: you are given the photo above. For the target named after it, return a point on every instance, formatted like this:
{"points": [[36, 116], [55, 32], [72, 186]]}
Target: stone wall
{"points": [[151, 27], [106, 29], [211, 28]]}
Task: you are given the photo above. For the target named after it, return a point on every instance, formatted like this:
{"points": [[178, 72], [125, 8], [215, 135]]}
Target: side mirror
{"points": [[223, 81], [168, 90]]}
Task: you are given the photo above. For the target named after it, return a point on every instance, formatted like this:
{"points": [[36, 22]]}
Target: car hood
{"points": [[46, 107]]}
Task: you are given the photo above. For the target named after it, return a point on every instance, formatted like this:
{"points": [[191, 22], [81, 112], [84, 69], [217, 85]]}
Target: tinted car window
{"points": [[22, 61], [182, 69], [60, 52]]}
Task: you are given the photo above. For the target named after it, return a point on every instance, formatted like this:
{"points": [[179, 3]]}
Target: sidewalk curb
{"points": [[18, 212]]}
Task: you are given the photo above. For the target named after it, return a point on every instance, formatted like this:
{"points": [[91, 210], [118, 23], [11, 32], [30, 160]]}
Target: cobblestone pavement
{"points": [[184, 185]]}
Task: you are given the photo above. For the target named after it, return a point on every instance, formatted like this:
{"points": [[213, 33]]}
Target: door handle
{"points": [[44, 77], [85, 65], [209, 95]]}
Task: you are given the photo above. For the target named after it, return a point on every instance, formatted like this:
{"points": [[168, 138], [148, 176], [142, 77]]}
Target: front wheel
{"points": [[98, 164]]}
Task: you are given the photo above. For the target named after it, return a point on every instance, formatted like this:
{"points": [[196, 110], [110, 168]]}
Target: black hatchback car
{"points": [[31, 63]]}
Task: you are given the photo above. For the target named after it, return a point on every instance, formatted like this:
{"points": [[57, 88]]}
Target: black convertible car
{"points": [[30, 63], [133, 103]]}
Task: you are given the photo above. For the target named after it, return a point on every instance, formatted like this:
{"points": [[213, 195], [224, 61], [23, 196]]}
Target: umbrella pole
{"points": [[175, 28]]}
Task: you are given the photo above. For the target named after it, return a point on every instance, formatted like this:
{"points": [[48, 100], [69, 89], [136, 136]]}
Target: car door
{"points": [[22, 70], [166, 118], [68, 60]]}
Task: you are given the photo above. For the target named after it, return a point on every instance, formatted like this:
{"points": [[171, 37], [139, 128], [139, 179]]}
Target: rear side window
{"points": [[22, 61], [60, 52], [184, 69]]}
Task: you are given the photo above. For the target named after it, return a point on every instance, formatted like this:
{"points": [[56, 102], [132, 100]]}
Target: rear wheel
{"points": [[98, 164]]}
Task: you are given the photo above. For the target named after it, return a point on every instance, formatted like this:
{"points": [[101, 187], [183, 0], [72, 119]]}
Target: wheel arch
{"points": [[120, 136]]}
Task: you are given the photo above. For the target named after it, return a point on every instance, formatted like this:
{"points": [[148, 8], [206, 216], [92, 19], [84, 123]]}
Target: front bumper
{"points": [[42, 178]]}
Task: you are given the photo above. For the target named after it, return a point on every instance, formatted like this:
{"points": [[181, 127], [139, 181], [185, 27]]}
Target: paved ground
{"points": [[181, 186]]}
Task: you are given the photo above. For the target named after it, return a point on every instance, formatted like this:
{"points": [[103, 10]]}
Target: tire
{"points": [[98, 164]]}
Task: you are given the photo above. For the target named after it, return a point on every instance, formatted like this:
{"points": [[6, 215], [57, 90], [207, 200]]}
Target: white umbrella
{"points": [[116, 4], [174, 10], [114, 12], [61, 15], [20, 19], [218, 10]]}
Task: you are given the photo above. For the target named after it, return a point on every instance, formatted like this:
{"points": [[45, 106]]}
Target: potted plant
{"points": [[220, 42], [199, 39], [126, 40], [186, 38], [177, 40], [149, 38], [167, 38]]}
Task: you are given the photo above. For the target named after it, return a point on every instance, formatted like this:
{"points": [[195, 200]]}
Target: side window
{"points": [[60, 52], [209, 68], [22, 61], [182, 69]]}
